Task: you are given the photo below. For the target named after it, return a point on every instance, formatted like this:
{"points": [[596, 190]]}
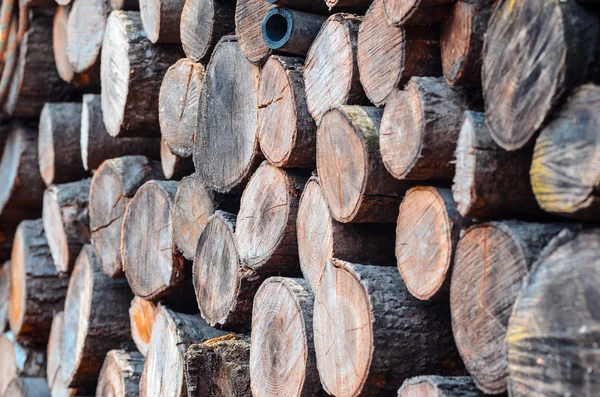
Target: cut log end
{"points": [[174, 166], [248, 17], [53, 350], [141, 317], [85, 33], [55, 231], [4, 294], [439, 386], [59, 44], [416, 12], [120, 374]]}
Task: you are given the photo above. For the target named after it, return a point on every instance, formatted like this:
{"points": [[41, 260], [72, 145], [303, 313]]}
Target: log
{"points": [[462, 41], [125, 5], [113, 185], [161, 19], [7, 15], [563, 169], [226, 149], [282, 351], [490, 263], [552, 337], [53, 350], [224, 286], [248, 17], [90, 334], [265, 232], [417, 12], [286, 131], [153, 266], [348, 140], [141, 319], [4, 295], [178, 105], [97, 145], [219, 367], [331, 72], [427, 232], [420, 127], [174, 166], [485, 173], [66, 222], [21, 197], [35, 80], [193, 205], [313, 6], [203, 23], [561, 39], [131, 70], [439, 386], [37, 291], [59, 43], [11, 58], [85, 33], [290, 31], [172, 334], [59, 151], [18, 361], [120, 374], [28, 387], [364, 315], [389, 56]]}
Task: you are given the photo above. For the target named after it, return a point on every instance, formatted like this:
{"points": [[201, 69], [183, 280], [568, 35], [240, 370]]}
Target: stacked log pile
{"points": [[299, 198]]}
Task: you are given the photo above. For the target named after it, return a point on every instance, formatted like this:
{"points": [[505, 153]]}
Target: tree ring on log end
{"points": [[56, 236]]}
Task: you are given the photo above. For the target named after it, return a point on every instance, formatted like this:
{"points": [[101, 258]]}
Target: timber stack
{"points": [[299, 198]]}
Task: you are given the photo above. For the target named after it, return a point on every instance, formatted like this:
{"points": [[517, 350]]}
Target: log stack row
{"points": [[299, 198]]}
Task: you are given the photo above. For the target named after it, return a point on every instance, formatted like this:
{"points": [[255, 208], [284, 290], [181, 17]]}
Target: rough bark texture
{"points": [[67, 222], [141, 319], [113, 185], [314, 6], [96, 143], [348, 142], [248, 17], [491, 261], [364, 315], [219, 367], [389, 56], [172, 334], [417, 12], [174, 166], [161, 20], [59, 151], [420, 127], [4, 294], [286, 130], [178, 105], [489, 181], [331, 67], [266, 224], [28, 387], [85, 32], [18, 361], [132, 70], [534, 53], [203, 23], [120, 374], [566, 159], [553, 330], [226, 148], [224, 286], [37, 291], [282, 351], [427, 232], [354, 6], [96, 321], [440, 386]]}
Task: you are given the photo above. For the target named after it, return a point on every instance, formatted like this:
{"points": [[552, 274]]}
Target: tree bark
{"points": [[224, 286], [226, 148], [66, 222], [440, 386], [282, 351], [172, 334], [389, 56], [97, 145], [132, 69], [18, 361], [427, 232], [125, 5], [141, 319], [96, 321], [174, 166], [525, 38], [219, 367], [490, 182], [178, 105], [85, 32], [59, 150], [420, 127], [266, 224], [365, 315], [161, 20], [248, 18], [331, 73], [314, 6], [4, 295], [28, 387], [552, 339], [348, 6], [7, 235], [37, 291], [491, 261], [563, 169], [348, 140], [203, 23], [286, 130], [113, 185], [417, 12], [120, 374]]}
